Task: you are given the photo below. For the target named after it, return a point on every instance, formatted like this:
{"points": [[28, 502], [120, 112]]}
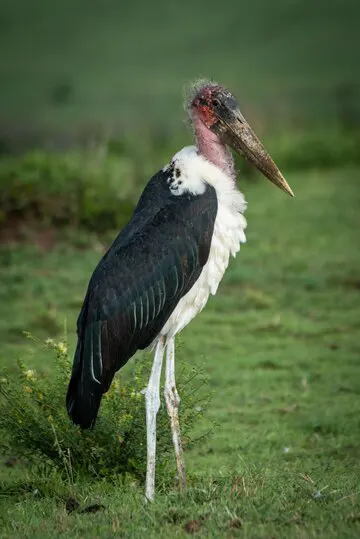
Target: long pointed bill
{"points": [[243, 140]]}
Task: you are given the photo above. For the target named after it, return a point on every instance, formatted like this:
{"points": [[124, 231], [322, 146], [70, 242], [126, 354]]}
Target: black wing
{"points": [[153, 262]]}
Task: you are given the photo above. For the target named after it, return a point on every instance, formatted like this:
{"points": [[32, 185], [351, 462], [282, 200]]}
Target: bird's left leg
{"points": [[172, 400], [152, 401]]}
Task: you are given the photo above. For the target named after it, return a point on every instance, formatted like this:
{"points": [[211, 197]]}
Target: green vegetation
{"points": [[35, 424], [97, 189], [280, 345], [74, 189]]}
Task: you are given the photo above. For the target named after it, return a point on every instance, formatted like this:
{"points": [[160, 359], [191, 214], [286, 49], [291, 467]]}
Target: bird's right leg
{"points": [[172, 400], [152, 402]]}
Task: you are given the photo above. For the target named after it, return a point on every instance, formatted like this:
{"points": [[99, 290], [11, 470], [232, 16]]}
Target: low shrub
{"points": [[94, 190], [34, 422]]}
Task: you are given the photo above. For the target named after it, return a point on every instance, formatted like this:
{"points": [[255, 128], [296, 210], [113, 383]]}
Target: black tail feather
{"points": [[85, 388]]}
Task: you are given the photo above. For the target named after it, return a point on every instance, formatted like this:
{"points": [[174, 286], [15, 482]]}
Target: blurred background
{"points": [[83, 68], [91, 106]]}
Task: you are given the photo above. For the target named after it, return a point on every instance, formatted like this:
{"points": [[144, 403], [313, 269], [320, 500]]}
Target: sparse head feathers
{"points": [[195, 88], [202, 89]]}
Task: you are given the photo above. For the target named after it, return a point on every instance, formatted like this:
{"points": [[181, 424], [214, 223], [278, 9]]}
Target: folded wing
{"points": [[133, 291]]}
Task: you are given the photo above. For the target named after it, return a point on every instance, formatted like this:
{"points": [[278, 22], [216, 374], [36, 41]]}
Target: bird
{"points": [[165, 263]]}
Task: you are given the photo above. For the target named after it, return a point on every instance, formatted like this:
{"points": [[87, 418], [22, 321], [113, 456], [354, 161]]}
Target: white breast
{"points": [[227, 236]]}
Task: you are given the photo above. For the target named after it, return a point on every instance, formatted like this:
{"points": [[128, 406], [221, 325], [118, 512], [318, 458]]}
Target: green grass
{"points": [[84, 64], [280, 343]]}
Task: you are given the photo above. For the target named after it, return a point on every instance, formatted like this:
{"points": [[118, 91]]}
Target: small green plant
{"points": [[34, 422]]}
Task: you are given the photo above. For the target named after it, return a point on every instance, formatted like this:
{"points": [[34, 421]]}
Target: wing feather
{"points": [[146, 308]]}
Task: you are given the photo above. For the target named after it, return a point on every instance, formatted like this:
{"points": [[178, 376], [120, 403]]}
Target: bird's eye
{"points": [[215, 102]]}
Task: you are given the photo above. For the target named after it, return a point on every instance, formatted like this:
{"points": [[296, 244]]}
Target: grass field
{"points": [[280, 343], [123, 65]]}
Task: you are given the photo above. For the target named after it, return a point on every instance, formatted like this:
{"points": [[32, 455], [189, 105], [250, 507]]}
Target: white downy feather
{"points": [[195, 172]]}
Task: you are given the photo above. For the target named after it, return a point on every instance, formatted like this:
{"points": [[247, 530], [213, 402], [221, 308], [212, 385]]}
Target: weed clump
{"points": [[34, 422]]}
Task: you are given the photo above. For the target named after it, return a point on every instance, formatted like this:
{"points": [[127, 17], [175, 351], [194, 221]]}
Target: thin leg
{"points": [[172, 400], [152, 402]]}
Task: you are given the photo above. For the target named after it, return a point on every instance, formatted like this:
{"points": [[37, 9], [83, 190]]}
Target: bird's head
{"points": [[218, 110]]}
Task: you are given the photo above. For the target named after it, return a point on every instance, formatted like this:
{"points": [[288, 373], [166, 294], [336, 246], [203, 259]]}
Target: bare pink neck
{"points": [[211, 147]]}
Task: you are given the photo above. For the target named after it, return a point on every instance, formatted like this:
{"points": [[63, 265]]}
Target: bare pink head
{"points": [[206, 101], [218, 123]]}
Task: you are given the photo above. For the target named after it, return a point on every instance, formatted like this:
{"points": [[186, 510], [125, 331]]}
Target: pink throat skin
{"points": [[211, 147]]}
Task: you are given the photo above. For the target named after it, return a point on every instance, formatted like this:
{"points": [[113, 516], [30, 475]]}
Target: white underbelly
{"points": [[227, 237]]}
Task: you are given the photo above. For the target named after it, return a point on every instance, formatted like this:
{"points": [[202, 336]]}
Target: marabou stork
{"points": [[162, 267]]}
